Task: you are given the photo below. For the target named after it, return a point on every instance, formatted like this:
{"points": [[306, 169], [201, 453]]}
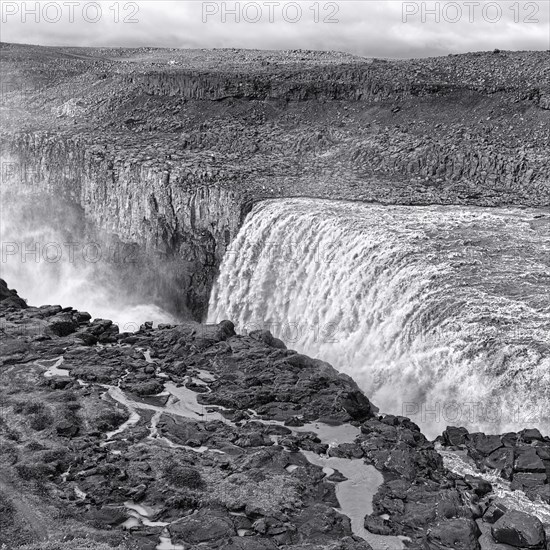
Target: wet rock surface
{"points": [[520, 530], [522, 458], [198, 435]]}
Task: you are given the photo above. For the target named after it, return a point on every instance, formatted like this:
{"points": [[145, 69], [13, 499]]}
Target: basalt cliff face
{"points": [[168, 149]]}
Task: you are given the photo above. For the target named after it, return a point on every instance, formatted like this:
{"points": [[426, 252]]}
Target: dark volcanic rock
{"points": [[108, 515], [459, 533], [522, 458], [208, 475], [530, 435], [142, 388], [356, 405], [478, 485], [9, 298], [520, 530], [203, 526], [527, 460], [527, 481], [484, 444], [494, 512], [62, 324], [66, 428], [267, 338], [87, 338], [502, 460], [455, 436]]}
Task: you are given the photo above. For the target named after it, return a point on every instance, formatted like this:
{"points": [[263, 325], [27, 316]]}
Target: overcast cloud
{"points": [[379, 28]]}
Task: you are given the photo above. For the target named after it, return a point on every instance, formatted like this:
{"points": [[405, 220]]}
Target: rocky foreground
{"points": [[197, 437]]}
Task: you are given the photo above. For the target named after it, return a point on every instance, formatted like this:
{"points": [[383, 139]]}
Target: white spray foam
{"points": [[439, 313]]}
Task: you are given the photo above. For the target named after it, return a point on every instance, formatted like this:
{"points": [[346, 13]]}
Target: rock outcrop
{"points": [[522, 458]]}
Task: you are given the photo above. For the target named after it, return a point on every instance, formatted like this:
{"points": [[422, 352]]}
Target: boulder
{"points": [[450, 505], [494, 512], [4, 291], [531, 434], [99, 326], [59, 382], [455, 436], [301, 361], [144, 388], [87, 338], [509, 439], [227, 328], [109, 336], [206, 525], [62, 324], [346, 450], [527, 460], [484, 444], [478, 485], [108, 516], [457, 533], [356, 404], [48, 311], [520, 530], [526, 481], [267, 338], [377, 525], [502, 460], [541, 491], [9, 297], [486, 540], [253, 439], [82, 317], [317, 520]]}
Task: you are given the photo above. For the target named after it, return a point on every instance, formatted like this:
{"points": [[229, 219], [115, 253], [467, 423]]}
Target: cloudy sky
{"points": [[379, 28]]}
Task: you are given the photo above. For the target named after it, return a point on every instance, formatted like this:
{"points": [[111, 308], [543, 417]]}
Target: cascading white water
{"points": [[459, 463], [439, 313]]}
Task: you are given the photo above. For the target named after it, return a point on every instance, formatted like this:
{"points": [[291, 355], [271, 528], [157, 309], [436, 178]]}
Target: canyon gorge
{"points": [[389, 218]]}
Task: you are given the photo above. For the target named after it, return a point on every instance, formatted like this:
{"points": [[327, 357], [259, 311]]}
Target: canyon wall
{"points": [[174, 235], [169, 149]]}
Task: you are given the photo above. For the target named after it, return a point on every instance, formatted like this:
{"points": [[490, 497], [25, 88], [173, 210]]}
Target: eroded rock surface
{"points": [[195, 434]]}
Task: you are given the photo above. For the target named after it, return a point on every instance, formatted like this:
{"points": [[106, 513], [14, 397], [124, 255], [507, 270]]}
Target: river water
{"points": [[439, 313]]}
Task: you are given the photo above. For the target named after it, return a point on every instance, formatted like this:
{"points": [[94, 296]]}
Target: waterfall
{"points": [[439, 313]]}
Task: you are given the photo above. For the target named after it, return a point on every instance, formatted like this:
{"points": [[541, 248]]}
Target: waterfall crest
{"points": [[439, 313]]}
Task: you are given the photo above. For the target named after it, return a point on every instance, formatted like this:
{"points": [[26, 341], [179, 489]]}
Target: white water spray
{"points": [[47, 264], [439, 313]]}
